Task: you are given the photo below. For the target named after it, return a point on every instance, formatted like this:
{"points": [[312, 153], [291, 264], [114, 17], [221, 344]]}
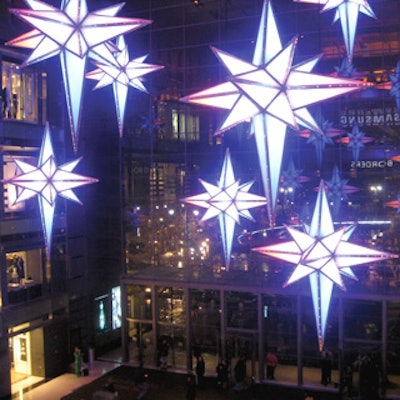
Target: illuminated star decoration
{"points": [[122, 74], [228, 201], [273, 94], [338, 189], [347, 11], [355, 141], [292, 179], [324, 256], [46, 181], [347, 70], [74, 34], [395, 89]]}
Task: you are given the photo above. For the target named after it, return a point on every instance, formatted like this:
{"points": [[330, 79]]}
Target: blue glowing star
{"points": [[122, 74], [324, 256], [46, 181], [273, 94], [292, 179], [395, 89], [74, 34], [356, 141], [228, 201], [338, 190], [347, 11]]}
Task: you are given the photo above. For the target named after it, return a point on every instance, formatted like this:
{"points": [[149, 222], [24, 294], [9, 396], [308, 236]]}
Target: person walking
{"points": [[271, 361], [222, 375], [190, 387], [77, 361], [200, 371], [240, 373]]}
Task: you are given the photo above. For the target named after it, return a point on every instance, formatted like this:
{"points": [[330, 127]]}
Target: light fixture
{"points": [[324, 256], [47, 181]]}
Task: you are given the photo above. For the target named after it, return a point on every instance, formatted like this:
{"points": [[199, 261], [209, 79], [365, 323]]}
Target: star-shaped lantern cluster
{"points": [[47, 181], [273, 94], [228, 201], [347, 12], [324, 256], [75, 34], [122, 73]]}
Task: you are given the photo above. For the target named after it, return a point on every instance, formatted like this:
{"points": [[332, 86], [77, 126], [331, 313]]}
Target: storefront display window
{"points": [[19, 93], [24, 275]]}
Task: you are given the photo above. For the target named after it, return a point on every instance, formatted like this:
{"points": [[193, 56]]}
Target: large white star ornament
{"points": [[347, 11], [122, 73], [324, 256], [47, 181], [228, 201], [273, 94], [75, 34]]}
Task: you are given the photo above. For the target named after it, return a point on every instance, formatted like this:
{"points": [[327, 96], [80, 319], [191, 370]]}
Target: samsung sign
{"points": [[382, 116]]}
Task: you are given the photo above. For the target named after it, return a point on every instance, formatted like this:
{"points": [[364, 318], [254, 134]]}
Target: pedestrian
{"points": [[271, 361], [200, 370], [222, 375], [77, 361], [326, 366], [141, 381], [308, 396], [240, 373], [190, 387]]}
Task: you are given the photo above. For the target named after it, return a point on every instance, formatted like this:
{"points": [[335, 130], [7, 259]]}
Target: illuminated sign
{"points": [[370, 117], [369, 164]]}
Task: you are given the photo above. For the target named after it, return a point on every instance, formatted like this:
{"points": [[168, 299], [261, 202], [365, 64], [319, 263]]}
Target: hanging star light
{"points": [[324, 256], [355, 141], [122, 73], [75, 34], [273, 94], [46, 181], [347, 11], [228, 201]]}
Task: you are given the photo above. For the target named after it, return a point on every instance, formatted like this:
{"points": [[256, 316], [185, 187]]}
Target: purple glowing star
{"points": [[122, 74], [228, 201], [324, 256], [75, 34], [347, 11], [273, 94], [47, 181]]}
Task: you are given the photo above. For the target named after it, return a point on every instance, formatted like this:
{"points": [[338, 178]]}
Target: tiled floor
{"points": [[62, 385]]}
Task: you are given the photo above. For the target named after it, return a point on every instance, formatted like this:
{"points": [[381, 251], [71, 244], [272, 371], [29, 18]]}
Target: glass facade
{"points": [[180, 294]]}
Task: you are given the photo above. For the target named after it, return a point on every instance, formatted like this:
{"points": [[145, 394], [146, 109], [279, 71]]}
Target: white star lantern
{"points": [[46, 181], [324, 256], [347, 11], [75, 34], [122, 74], [273, 94], [228, 201]]}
